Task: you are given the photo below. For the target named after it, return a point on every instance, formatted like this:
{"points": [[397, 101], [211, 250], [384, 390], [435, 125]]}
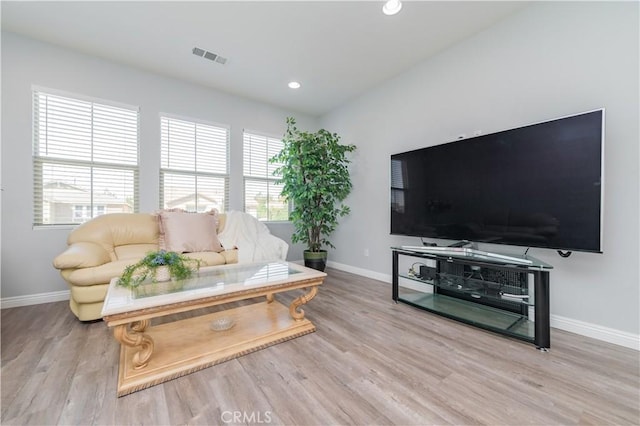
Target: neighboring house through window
{"points": [[194, 165], [262, 195], [85, 158], [84, 213]]}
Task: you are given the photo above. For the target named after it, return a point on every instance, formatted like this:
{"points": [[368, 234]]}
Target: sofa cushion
{"points": [[116, 229], [104, 273], [89, 293], [189, 232], [86, 311], [134, 251], [209, 258]]}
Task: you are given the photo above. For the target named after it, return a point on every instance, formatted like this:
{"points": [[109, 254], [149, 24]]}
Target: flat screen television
{"points": [[539, 185]]}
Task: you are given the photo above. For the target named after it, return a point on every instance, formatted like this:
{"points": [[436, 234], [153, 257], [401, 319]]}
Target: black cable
{"points": [[413, 272], [564, 253]]}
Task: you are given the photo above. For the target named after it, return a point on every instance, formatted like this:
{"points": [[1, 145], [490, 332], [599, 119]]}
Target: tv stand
{"points": [[501, 293]]}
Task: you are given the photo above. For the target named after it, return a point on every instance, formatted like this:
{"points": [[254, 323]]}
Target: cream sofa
{"points": [[100, 249]]}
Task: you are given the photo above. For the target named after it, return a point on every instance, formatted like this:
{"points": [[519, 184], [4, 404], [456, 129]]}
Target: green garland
{"points": [[180, 268]]}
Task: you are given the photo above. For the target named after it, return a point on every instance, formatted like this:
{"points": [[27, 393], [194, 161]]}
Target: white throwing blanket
{"points": [[253, 239]]}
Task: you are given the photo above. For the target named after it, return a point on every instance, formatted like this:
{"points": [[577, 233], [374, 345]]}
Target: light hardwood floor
{"points": [[370, 362]]}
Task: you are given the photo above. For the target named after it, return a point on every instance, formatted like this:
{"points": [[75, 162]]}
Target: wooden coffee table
{"points": [[151, 355]]}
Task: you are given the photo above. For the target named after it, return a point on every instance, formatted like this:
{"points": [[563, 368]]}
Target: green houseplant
{"points": [[313, 169], [155, 265]]}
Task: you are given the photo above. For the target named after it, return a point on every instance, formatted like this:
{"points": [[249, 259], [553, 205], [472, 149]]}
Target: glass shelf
{"points": [[478, 315], [478, 288], [416, 279]]}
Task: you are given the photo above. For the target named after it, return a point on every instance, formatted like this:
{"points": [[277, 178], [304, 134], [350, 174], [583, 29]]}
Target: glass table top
{"points": [[208, 281], [237, 276]]}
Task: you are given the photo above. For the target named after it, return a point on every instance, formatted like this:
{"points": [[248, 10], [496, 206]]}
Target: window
{"points": [[194, 165], [85, 159], [262, 195]]}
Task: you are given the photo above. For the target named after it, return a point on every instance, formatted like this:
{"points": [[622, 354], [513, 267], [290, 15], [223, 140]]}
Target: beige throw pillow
{"points": [[189, 232]]}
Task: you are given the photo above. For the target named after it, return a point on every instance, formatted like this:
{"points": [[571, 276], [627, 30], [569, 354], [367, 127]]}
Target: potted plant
{"points": [[315, 177], [158, 266]]}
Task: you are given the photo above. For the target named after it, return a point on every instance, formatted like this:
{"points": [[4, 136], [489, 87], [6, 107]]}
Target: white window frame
{"points": [[195, 173], [40, 161], [267, 180]]}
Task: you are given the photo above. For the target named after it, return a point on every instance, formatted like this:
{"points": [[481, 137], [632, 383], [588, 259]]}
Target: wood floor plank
{"points": [[371, 361]]}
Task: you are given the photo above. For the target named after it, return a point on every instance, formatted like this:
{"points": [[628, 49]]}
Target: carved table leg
{"points": [[293, 308], [269, 297], [136, 339], [140, 326]]}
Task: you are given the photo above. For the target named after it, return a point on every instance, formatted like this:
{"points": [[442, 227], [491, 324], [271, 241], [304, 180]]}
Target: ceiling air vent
{"points": [[209, 55]]}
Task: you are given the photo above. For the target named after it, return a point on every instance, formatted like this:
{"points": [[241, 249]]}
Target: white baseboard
{"points": [[359, 271], [605, 334], [34, 299]]}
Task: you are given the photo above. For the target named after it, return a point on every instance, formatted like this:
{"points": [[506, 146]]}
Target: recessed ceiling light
{"points": [[294, 85], [392, 7]]}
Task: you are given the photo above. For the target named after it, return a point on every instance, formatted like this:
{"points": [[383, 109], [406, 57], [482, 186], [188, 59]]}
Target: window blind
{"points": [[194, 165], [262, 195], [397, 185], [85, 159]]}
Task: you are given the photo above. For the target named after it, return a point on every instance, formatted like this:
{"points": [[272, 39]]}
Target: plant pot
{"points": [[315, 259], [163, 274]]}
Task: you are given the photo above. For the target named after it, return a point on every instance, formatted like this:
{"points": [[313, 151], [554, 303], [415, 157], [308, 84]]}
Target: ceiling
{"points": [[336, 50]]}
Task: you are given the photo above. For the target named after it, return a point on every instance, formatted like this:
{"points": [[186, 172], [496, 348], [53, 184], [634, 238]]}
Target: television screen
{"points": [[535, 186]]}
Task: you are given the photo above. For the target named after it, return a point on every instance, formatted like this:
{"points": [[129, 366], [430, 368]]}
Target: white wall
{"points": [[550, 60], [27, 253]]}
